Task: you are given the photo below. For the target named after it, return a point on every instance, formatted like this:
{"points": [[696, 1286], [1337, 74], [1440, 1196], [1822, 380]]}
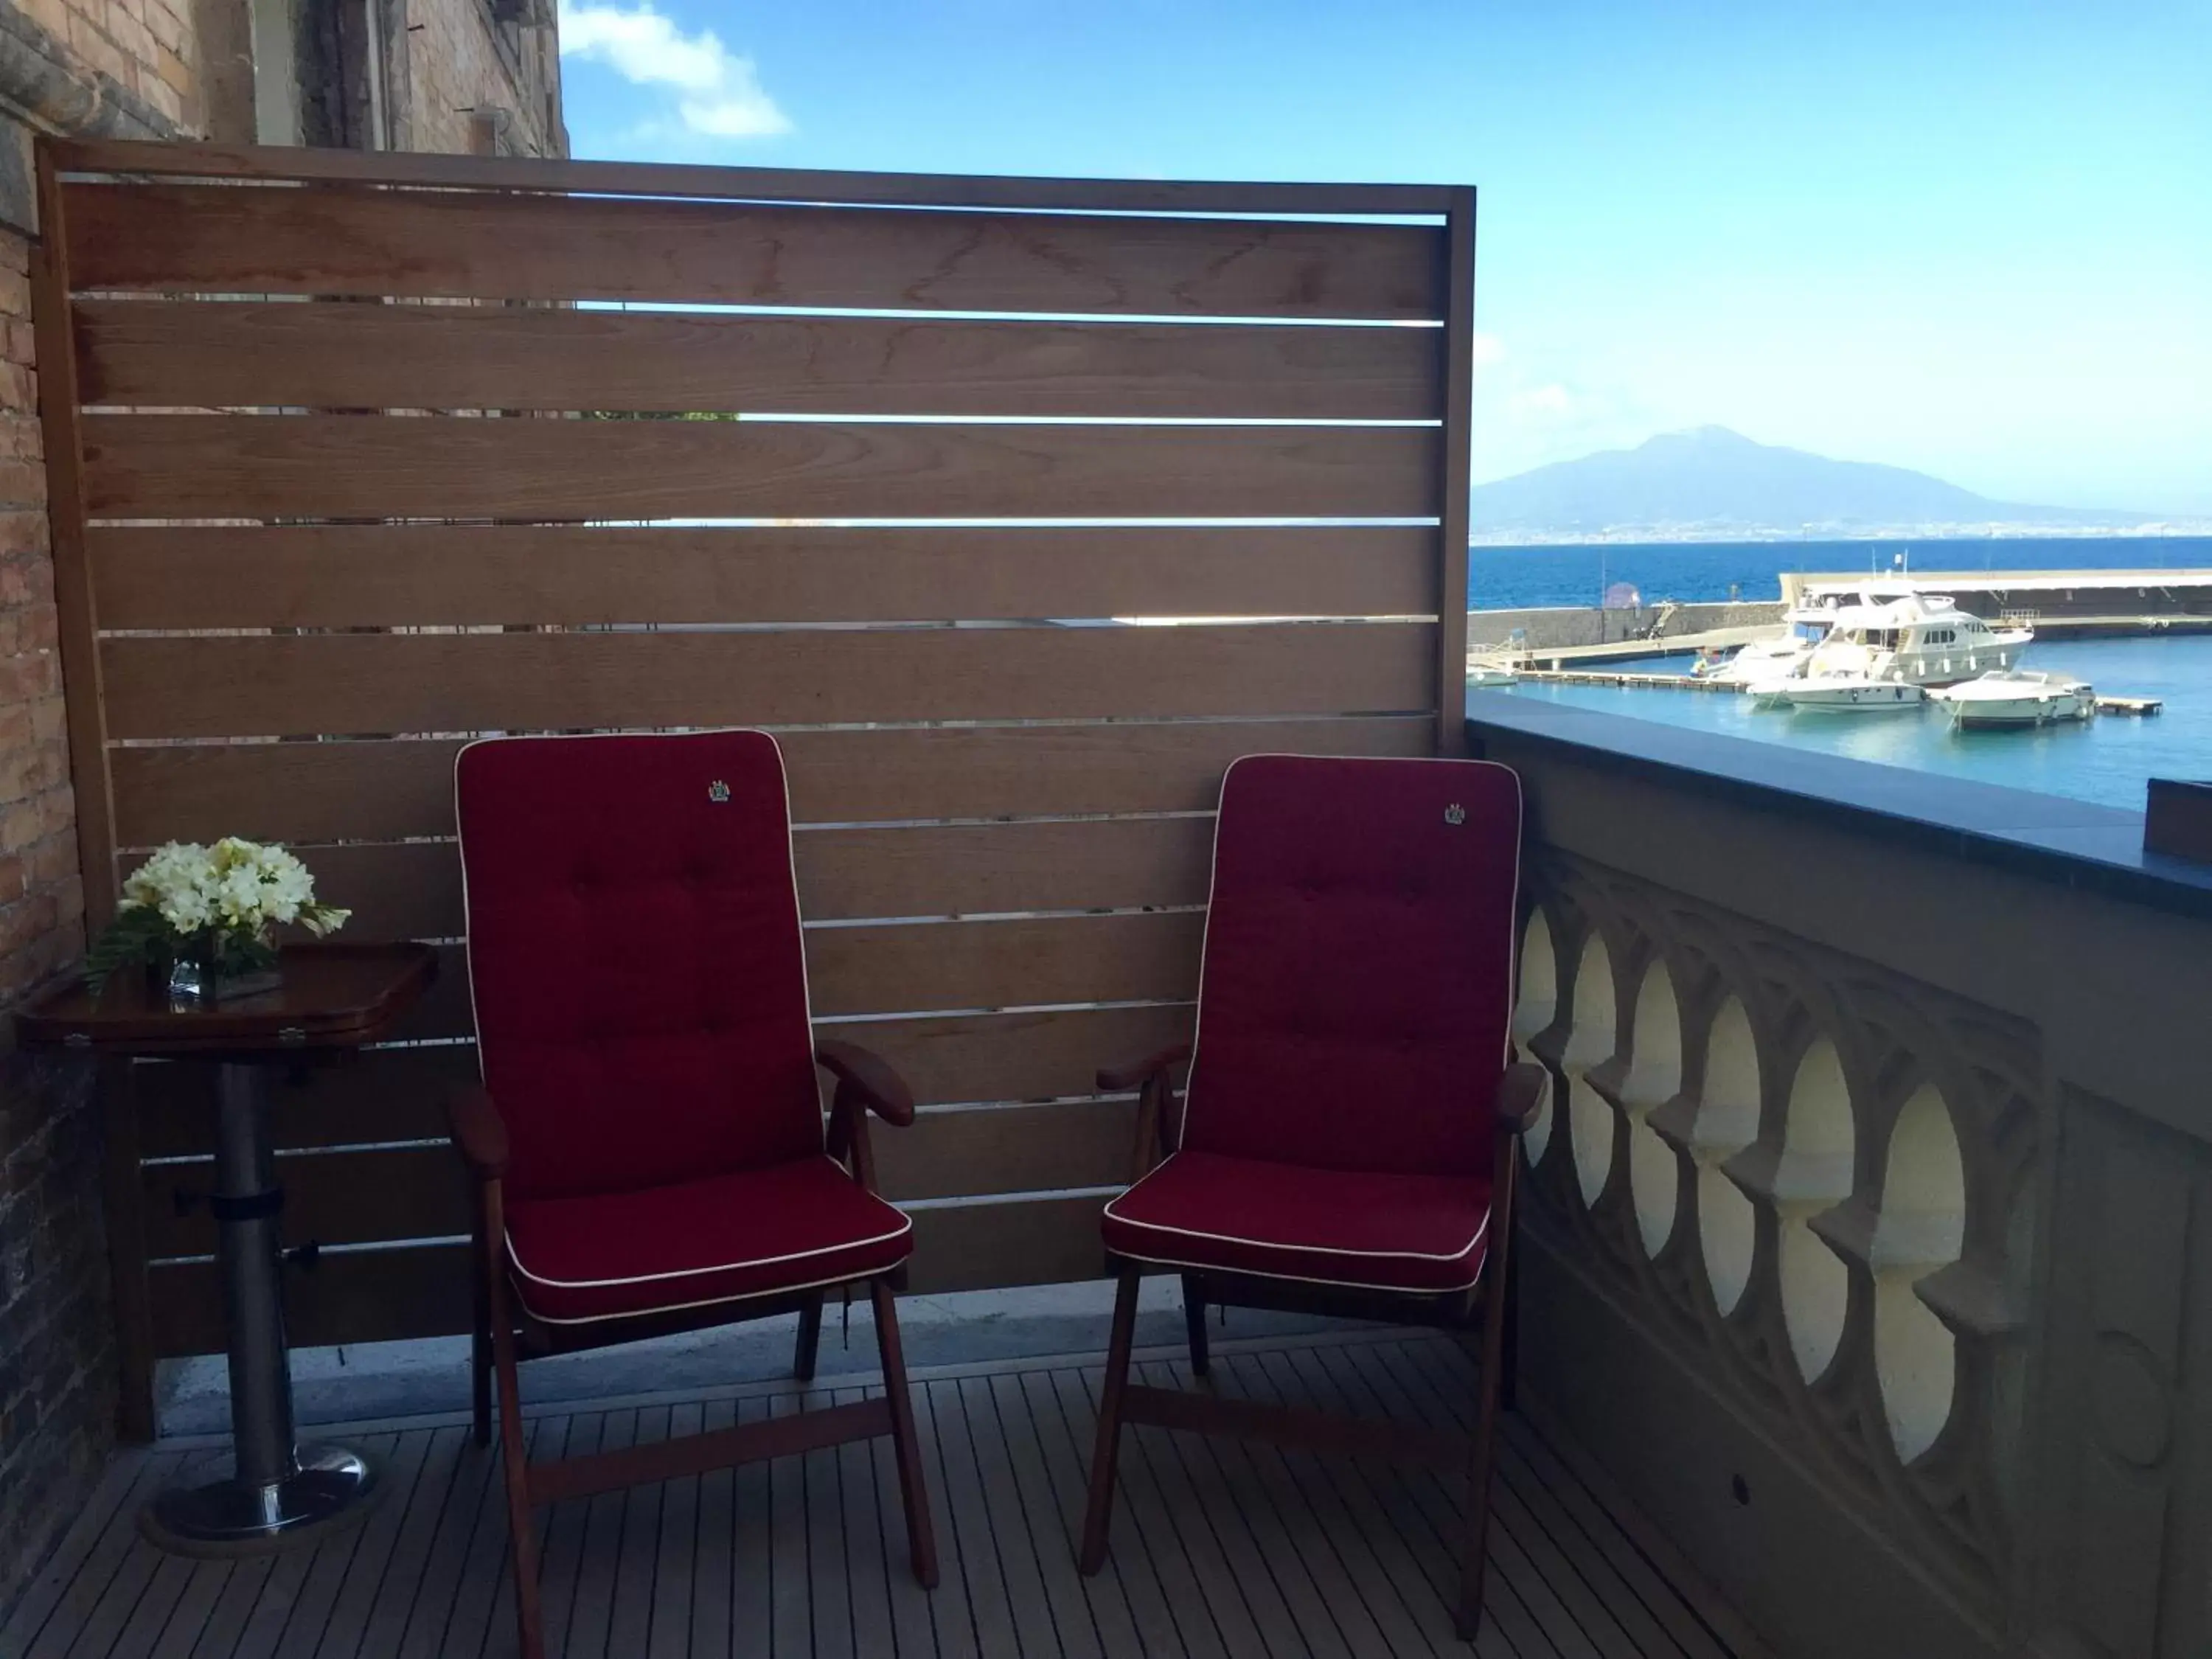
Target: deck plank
{"points": [[1177, 1529], [1221, 1548], [1411, 1505], [713, 1532], [1576, 1564], [668, 1612], [989, 1604], [829, 1562], [752, 1563], [484, 1572], [1124, 1619], [302, 1589], [867, 1570], [1577, 1621], [1368, 1614], [638, 1558]]}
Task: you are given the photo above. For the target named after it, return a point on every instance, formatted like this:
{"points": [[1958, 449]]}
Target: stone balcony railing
{"points": [[1861, 1225]]}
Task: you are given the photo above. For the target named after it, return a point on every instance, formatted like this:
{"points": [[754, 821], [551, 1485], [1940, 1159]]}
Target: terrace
{"points": [[1862, 1289]]}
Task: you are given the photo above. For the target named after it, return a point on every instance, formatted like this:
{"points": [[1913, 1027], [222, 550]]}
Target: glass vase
{"points": [[195, 979]]}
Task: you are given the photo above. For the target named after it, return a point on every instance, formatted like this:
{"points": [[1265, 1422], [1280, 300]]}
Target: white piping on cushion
{"points": [[1303, 1278], [709, 1301], [1480, 1233], [905, 1226]]}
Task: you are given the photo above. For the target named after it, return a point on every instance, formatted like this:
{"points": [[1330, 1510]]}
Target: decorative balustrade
{"points": [[1810, 1173], [1869, 1245]]}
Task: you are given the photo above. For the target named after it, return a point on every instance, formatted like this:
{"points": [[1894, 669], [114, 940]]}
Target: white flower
{"points": [[237, 886]]}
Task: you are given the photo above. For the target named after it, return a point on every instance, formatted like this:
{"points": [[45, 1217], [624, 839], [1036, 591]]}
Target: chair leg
{"points": [[515, 1457], [479, 1336], [1489, 1387], [1509, 1358], [1098, 1517], [922, 1539], [1194, 1320], [810, 1339]]}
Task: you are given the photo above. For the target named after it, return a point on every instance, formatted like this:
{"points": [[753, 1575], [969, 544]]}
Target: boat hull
{"points": [[1874, 696]]}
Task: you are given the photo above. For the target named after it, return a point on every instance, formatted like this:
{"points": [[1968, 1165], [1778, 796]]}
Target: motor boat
{"points": [[1919, 640], [1779, 656], [2018, 696], [1829, 693]]}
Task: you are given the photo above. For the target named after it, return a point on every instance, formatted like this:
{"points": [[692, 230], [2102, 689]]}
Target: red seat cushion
{"points": [[634, 958], [1356, 1228], [1357, 987], [721, 1238]]}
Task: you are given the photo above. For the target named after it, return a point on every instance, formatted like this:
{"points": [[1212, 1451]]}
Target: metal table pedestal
{"points": [[275, 1493]]}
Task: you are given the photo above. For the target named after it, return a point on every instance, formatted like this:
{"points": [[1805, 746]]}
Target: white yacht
{"points": [[2018, 696], [1916, 641], [1779, 656]]}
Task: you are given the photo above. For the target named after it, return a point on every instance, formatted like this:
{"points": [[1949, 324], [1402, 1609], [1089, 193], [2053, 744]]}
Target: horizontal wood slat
{"points": [[185, 239], [363, 466], [1007, 1149], [973, 1247], [382, 1296], [213, 687], [353, 356], [382, 1094], [996, 964], [216, 160], [319, 792], [371, 1296], [380, 576], [399, 1094], [383, 1195], [941, 966], [413, 890]]}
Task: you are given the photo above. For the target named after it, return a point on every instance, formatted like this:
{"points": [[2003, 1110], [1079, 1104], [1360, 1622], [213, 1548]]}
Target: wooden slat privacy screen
{"points": [[352, 462]]}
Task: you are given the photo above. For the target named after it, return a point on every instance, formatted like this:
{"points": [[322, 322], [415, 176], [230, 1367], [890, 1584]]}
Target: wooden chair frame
{"points": [[1483, 1306], [505, 1334]]}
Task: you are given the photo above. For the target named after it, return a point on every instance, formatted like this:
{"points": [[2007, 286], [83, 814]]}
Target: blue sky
{"points": [[1972, 239]]}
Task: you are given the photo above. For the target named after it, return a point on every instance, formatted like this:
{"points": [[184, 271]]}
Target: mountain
{"points": [[1713, 483]]}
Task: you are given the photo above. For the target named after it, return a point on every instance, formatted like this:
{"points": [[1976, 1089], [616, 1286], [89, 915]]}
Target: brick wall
{"points": [[457, 81], [57, 1339], [461, 66], [144, 46]]}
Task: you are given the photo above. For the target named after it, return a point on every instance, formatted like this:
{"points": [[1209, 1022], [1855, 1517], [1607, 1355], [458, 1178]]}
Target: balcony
{"points": [[1217, 1548], [1863, 1276]]}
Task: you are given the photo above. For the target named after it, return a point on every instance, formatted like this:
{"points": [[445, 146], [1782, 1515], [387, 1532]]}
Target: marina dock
{"points": [[2106, 704]]}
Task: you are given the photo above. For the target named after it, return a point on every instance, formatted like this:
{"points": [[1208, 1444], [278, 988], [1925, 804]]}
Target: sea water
{"points": [[1579, 573], [2105, 759]]}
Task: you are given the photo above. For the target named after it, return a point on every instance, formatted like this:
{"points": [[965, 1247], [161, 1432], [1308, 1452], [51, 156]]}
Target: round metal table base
{"points": [[333, 1490]]}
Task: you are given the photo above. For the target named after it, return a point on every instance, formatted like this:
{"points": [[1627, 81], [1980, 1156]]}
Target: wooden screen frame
{"points": [[162, 1115]]}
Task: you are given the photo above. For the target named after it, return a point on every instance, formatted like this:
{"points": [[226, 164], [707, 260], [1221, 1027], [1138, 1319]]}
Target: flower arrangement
{"points": [[204, 915]]}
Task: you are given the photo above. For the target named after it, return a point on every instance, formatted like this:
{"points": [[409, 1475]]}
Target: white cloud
{"points": [[718, 94], [1489, 349], [1544, 402]]}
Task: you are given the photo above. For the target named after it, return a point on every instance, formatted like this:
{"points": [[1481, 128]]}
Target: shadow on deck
{"points": [[1219, 1548]]}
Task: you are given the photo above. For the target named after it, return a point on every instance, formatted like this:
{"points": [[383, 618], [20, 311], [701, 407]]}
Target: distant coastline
{"points": [[1722, 535], [1529, 575]]}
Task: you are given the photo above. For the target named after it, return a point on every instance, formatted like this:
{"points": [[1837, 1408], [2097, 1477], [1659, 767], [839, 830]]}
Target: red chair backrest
{"points": [[634, 958], [1355, 998]]}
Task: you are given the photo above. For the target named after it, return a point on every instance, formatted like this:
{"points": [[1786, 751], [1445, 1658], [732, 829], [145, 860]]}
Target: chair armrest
{"points": [[1521, 1095], [1117, 1079], [870, 1076], [478, 1131]]}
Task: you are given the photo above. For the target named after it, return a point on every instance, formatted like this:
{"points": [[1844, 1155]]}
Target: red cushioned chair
{"points": [[1345, 1142], [648, 1148]]}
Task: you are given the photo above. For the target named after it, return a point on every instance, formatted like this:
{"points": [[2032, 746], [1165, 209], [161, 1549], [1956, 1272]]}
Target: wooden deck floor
{"points": [[1219, 1548]]}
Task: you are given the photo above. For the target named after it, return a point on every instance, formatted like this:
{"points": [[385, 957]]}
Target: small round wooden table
{"points": [[332, 999]]}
